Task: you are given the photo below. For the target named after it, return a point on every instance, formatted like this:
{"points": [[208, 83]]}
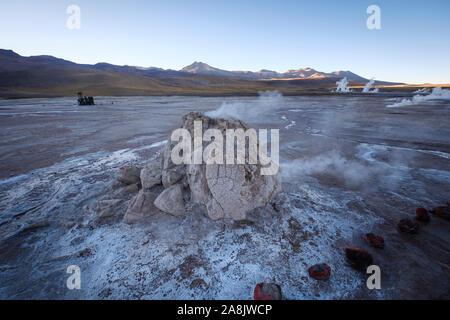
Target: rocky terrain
{"points": [[80, 186]]}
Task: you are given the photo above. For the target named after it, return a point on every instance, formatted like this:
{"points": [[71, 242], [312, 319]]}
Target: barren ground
{"points": [[349, 165]]}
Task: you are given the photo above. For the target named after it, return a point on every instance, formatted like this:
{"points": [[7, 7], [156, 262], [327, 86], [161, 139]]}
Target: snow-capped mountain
{"points": [[302, 73]]}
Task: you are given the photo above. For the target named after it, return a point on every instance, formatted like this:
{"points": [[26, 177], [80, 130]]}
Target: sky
{"points": [[412, 46]]}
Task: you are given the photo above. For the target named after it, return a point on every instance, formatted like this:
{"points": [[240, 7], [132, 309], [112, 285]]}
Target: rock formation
{"points": [[320, 271], [267, 291], [128, 174], [442, 212], [141, 205], [225, 191], [374, 240], [422, 215], [358, 258], [171, 200], [408, 226]]}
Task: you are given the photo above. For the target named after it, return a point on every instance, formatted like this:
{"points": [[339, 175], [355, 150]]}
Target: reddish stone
{"points": [[442, 212], [320, 271], [422, 215], [358, 258], [408, 226], [375, 240], [267, 291]]}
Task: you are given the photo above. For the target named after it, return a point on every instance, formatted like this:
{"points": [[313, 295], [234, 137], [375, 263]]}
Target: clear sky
{"points": [[412, 46]]}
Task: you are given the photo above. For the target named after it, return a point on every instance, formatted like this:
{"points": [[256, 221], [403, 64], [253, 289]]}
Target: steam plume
{"points": [[342, 85], [267, 101], [436, 94], [369, 85]]}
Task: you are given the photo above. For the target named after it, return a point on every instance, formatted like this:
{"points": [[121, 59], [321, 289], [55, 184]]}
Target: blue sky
{"points": [[412, 46]]}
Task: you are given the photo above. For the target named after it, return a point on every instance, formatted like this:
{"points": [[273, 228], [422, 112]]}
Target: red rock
{"points": [[358, 258], [319, 271], [375, 240], [442, 212], [408, 226], [422, 215], [267, 291]]}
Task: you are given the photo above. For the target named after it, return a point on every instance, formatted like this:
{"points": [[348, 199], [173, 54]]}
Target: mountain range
{"points": [[46, 75], [306, 73]]}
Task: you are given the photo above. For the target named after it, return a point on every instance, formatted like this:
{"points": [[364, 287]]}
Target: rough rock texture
{"points": [[237, 189], [108, 207], [408, 226], [151, 173], [226, 191], [171, 200], [128, 174], [374, 240], [267, 291], [172, 176], [442, 212], [358, 258], [320, 271], [126, 191], [422, 215], [140, 207]]}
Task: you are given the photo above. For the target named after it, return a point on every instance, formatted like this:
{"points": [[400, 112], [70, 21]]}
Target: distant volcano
{"points": [[302, 73]]}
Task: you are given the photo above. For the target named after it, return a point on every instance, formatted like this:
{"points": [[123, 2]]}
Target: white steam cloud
{"points": [[342, 85], [354, 173], [436, 94], [423, 90], [268, 101], [369, 85]]}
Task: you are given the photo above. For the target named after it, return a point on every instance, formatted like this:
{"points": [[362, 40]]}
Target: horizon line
{"points": [[197, 61]]}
